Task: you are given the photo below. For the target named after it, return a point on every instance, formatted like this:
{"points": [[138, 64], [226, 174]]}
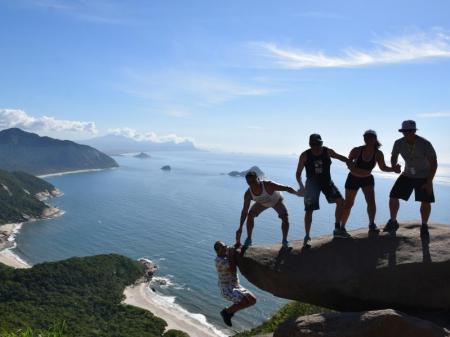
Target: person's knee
{"points": [[339, 202], [348, 203], [284, 219]]}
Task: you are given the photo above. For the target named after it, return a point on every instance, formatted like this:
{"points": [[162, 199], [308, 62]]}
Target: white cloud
{"points": [[189, 90], [419, 46], [435, 115], [148, 136], [15, 118]]}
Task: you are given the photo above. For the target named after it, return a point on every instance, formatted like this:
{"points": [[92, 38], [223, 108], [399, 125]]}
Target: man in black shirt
{"points": [[317, 162]]}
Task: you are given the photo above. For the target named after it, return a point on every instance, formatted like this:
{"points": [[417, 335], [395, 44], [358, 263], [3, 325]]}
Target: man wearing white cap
{"points": [[420, 168]]}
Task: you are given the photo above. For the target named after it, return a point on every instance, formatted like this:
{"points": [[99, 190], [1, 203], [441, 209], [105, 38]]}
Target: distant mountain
{"points": [[21, 196], [115, 144], [28, 152]]}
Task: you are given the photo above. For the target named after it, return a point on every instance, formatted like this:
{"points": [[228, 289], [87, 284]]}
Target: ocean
{"points": [[173, 218]]}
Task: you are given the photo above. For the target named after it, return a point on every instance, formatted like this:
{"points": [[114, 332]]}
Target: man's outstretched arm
{"points": [[231, 252], [282, 188], [244, 213], [338, 156], [298, 173]]}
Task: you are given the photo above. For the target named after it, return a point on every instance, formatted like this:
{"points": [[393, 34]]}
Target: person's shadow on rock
{"points": [[426, 256], [282, 254]]}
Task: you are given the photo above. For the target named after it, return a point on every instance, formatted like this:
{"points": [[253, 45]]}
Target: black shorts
{"points": [[312, 193], [404, 187], [355, 183]]}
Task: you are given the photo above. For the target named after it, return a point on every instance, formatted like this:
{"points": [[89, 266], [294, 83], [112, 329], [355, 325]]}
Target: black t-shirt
{"points": [[318, 167]]}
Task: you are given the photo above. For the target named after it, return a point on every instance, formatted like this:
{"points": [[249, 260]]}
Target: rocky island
{"points": [[142, 155], [166, 168], [258, 171]]}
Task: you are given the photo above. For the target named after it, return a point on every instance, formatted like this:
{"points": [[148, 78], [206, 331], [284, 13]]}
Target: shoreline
{"points": [[9, 231], [57, 174], [176, 317]]}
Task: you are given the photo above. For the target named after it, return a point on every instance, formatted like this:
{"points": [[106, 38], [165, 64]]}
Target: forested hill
{"points": [[28, 152], [18, 199], [84, 293]]}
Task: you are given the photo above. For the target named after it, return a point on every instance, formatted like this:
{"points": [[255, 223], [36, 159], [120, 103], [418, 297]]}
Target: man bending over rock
{"points": [[229, 282], [265, 194]]}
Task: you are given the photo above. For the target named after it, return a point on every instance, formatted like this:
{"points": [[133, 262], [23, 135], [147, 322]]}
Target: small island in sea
{"points": [[166, 168], [142, 155], [256, 169]]}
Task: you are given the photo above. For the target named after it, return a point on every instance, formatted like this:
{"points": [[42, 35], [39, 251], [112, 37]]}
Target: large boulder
{"points": [[378, 323], [363, 273]]}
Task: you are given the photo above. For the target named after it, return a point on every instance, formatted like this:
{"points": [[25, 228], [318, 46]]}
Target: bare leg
{"points": [[246, 302], [348, 204], [425, 211], [339, 209], [285, 227], [369, 194], [394, 205], [308, 221], [250, 225]]}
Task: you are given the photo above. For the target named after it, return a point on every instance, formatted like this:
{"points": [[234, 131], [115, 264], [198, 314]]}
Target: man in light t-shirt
{"points": [[228, 283], [420, 168]]}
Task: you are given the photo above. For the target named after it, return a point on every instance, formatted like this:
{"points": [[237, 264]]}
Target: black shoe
{"points": [[373, 229], [341, 233], [424, 233], [391, 226], [226, 317]]}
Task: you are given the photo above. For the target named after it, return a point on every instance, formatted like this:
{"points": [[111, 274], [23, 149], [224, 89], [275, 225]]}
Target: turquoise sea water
{"points": [[173, 218]]}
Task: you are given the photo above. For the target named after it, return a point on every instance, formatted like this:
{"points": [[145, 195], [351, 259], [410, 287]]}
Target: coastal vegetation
{"points": [[290, 310], [18, 196], [86, 293]]}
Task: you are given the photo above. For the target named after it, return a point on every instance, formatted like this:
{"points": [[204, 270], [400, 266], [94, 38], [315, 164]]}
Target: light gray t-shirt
{"points": [[227, 278], [415, 155]]}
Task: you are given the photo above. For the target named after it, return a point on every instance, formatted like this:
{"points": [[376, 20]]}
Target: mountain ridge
{"points": [[34, 154]]}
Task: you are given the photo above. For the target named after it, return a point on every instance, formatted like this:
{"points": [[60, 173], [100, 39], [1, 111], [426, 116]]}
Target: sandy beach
{"points": [[139, 296], [72, 172], [7, 257]]}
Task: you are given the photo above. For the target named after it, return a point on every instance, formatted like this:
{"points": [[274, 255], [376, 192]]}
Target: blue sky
{"points": [[243, 76]]}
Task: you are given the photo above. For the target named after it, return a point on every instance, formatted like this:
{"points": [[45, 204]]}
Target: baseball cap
{"points": [[315, 139]]}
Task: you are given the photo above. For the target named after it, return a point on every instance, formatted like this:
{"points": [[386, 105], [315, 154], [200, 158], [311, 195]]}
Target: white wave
{"points": [[168, 303]]}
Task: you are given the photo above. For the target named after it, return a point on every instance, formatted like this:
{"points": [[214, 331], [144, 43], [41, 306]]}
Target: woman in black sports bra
{"points": [[364, 159]]}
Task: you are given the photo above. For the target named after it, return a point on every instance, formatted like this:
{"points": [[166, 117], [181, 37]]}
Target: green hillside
{"points": [[84, 293], [17, 196], [28, 152]]}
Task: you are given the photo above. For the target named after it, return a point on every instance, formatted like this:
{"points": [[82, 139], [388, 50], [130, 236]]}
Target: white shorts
{"points": [[234, 294]]}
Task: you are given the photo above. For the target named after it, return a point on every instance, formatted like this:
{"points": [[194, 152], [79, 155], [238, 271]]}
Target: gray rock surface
{"points": [[363, 273], [379, 323]]}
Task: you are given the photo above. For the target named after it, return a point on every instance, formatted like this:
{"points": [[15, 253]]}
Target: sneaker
{"points": [[341, 233], [424, 233], [226, 317], [373, 229], [247, 243], [307, 242], [285, 244], [391, 226]]}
